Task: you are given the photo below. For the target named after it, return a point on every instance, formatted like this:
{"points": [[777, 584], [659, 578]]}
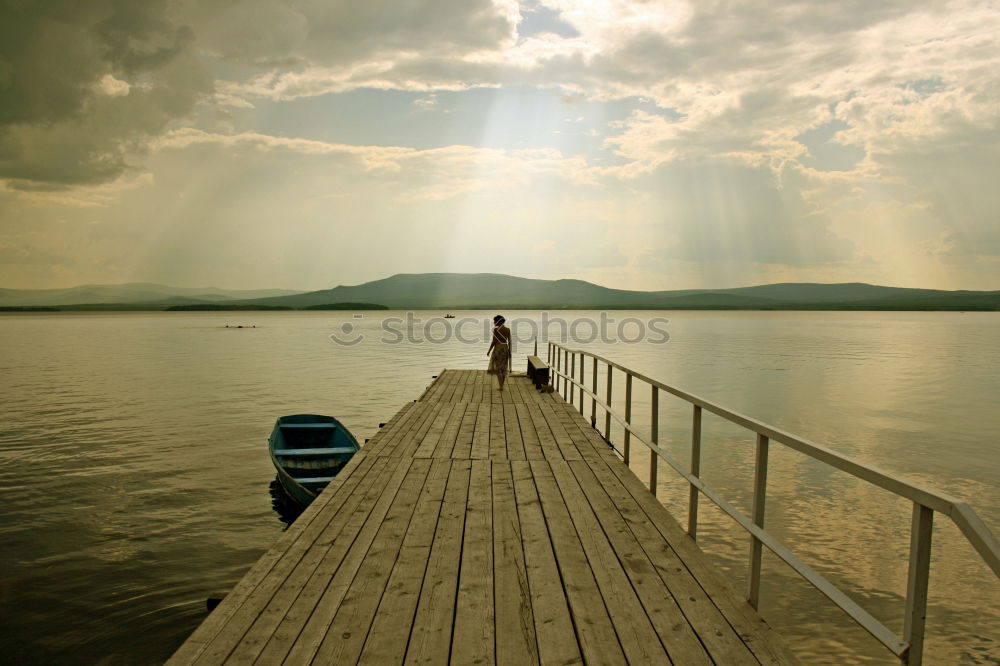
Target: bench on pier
{"points": [[538, 371]]}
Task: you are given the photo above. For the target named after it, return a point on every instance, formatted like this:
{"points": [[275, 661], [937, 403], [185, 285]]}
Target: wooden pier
{"points": [[482, 527]]}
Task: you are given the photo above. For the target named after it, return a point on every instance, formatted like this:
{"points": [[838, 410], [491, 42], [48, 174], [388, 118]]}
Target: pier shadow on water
{"points": [[282, 504]]}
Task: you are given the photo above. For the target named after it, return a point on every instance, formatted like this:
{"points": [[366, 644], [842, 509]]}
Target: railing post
{"points": [[757, 515], [548, 357], [562, 371], [655, 427], [566, 377], [607, 412], [695, 471], [628, 415], [536, 346], [916, 584], [593, 399], [554, 362], [557, 357], [583, 379], [572, 374]]}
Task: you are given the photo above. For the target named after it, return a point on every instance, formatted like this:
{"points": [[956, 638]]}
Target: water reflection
{"points": [[286, 508], [170, 431]]}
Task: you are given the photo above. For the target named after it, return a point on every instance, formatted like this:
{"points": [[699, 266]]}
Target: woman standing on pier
{"points": [[499, 351]]}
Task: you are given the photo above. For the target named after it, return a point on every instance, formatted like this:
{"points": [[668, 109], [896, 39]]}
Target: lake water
{"points": [[134, 473]]}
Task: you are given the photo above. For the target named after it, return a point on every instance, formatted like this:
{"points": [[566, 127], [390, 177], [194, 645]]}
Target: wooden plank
{"points": [[481, 434], [755, 632], [479, 390], [446, 442], [515, 627], [430, 637], [572, 424], [470, 385], [676, 634], [370, 508], [593, 436], [269, 616], [556, 640], [701, 603], [333, 577], [462, 386], [473, 638], [380, 433], [360, 591], [231, 628], [430, 391], [408, 444], [280, 555], [594, 630], [493, 394], [443, 559], [529, 438], [513, 389], [722, 642], [242, 608], [556, 444], [498, 440], [390, 628], [426, 445], [553, 417], [390, 445], [391, 432], [466, 432], [452, 388], [527, 390], [546, 440], [506, 395], [445, 386], [635, 630], [512, 433], [587, 440]]}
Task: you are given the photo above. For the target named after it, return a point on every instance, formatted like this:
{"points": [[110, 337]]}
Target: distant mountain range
{"points": [[133, 292], [457, 291], [489, 290]]}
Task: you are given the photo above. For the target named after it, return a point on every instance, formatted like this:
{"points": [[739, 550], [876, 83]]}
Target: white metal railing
{"points": [[908, 648]]}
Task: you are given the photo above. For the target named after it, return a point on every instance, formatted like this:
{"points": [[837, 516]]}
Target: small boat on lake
{"points": [[449, 316], [308, 451]]}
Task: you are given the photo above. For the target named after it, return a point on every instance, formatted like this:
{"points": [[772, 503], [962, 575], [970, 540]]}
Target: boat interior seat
{"points": [[314, 452], [320, 426], [310, 480]]}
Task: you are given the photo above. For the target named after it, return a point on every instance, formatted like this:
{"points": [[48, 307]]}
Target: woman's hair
{"points": [[498, 320]]}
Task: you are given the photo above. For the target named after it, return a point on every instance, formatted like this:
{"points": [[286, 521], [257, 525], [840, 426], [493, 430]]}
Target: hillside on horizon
{"points": [[457, 291], [494, 290], [131, 292]]}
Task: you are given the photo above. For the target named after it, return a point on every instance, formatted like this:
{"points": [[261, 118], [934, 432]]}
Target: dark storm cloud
{"points": [[83, 84]]}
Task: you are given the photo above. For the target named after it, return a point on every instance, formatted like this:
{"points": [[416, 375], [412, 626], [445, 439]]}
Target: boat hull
{"points": [[308, 451], [293, 489]]}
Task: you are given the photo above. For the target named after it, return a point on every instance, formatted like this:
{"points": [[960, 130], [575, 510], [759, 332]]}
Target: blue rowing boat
{"points": [[308, 451]]}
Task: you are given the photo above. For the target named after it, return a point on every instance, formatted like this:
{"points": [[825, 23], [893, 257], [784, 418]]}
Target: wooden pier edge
{"points": [[480, 526]]}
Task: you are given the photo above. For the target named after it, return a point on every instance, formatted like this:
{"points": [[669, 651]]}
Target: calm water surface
{"points": [[134, 473]]}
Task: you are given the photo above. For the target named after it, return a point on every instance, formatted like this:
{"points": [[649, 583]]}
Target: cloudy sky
{"points": [[649, 145]]}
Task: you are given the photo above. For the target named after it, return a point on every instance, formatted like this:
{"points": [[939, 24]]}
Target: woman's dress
{"points": [[500, 358]]}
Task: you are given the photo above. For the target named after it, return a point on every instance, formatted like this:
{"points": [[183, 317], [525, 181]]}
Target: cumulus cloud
{"points": [[718, 154], [82, 85], [442, 172], [303, 33]]}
